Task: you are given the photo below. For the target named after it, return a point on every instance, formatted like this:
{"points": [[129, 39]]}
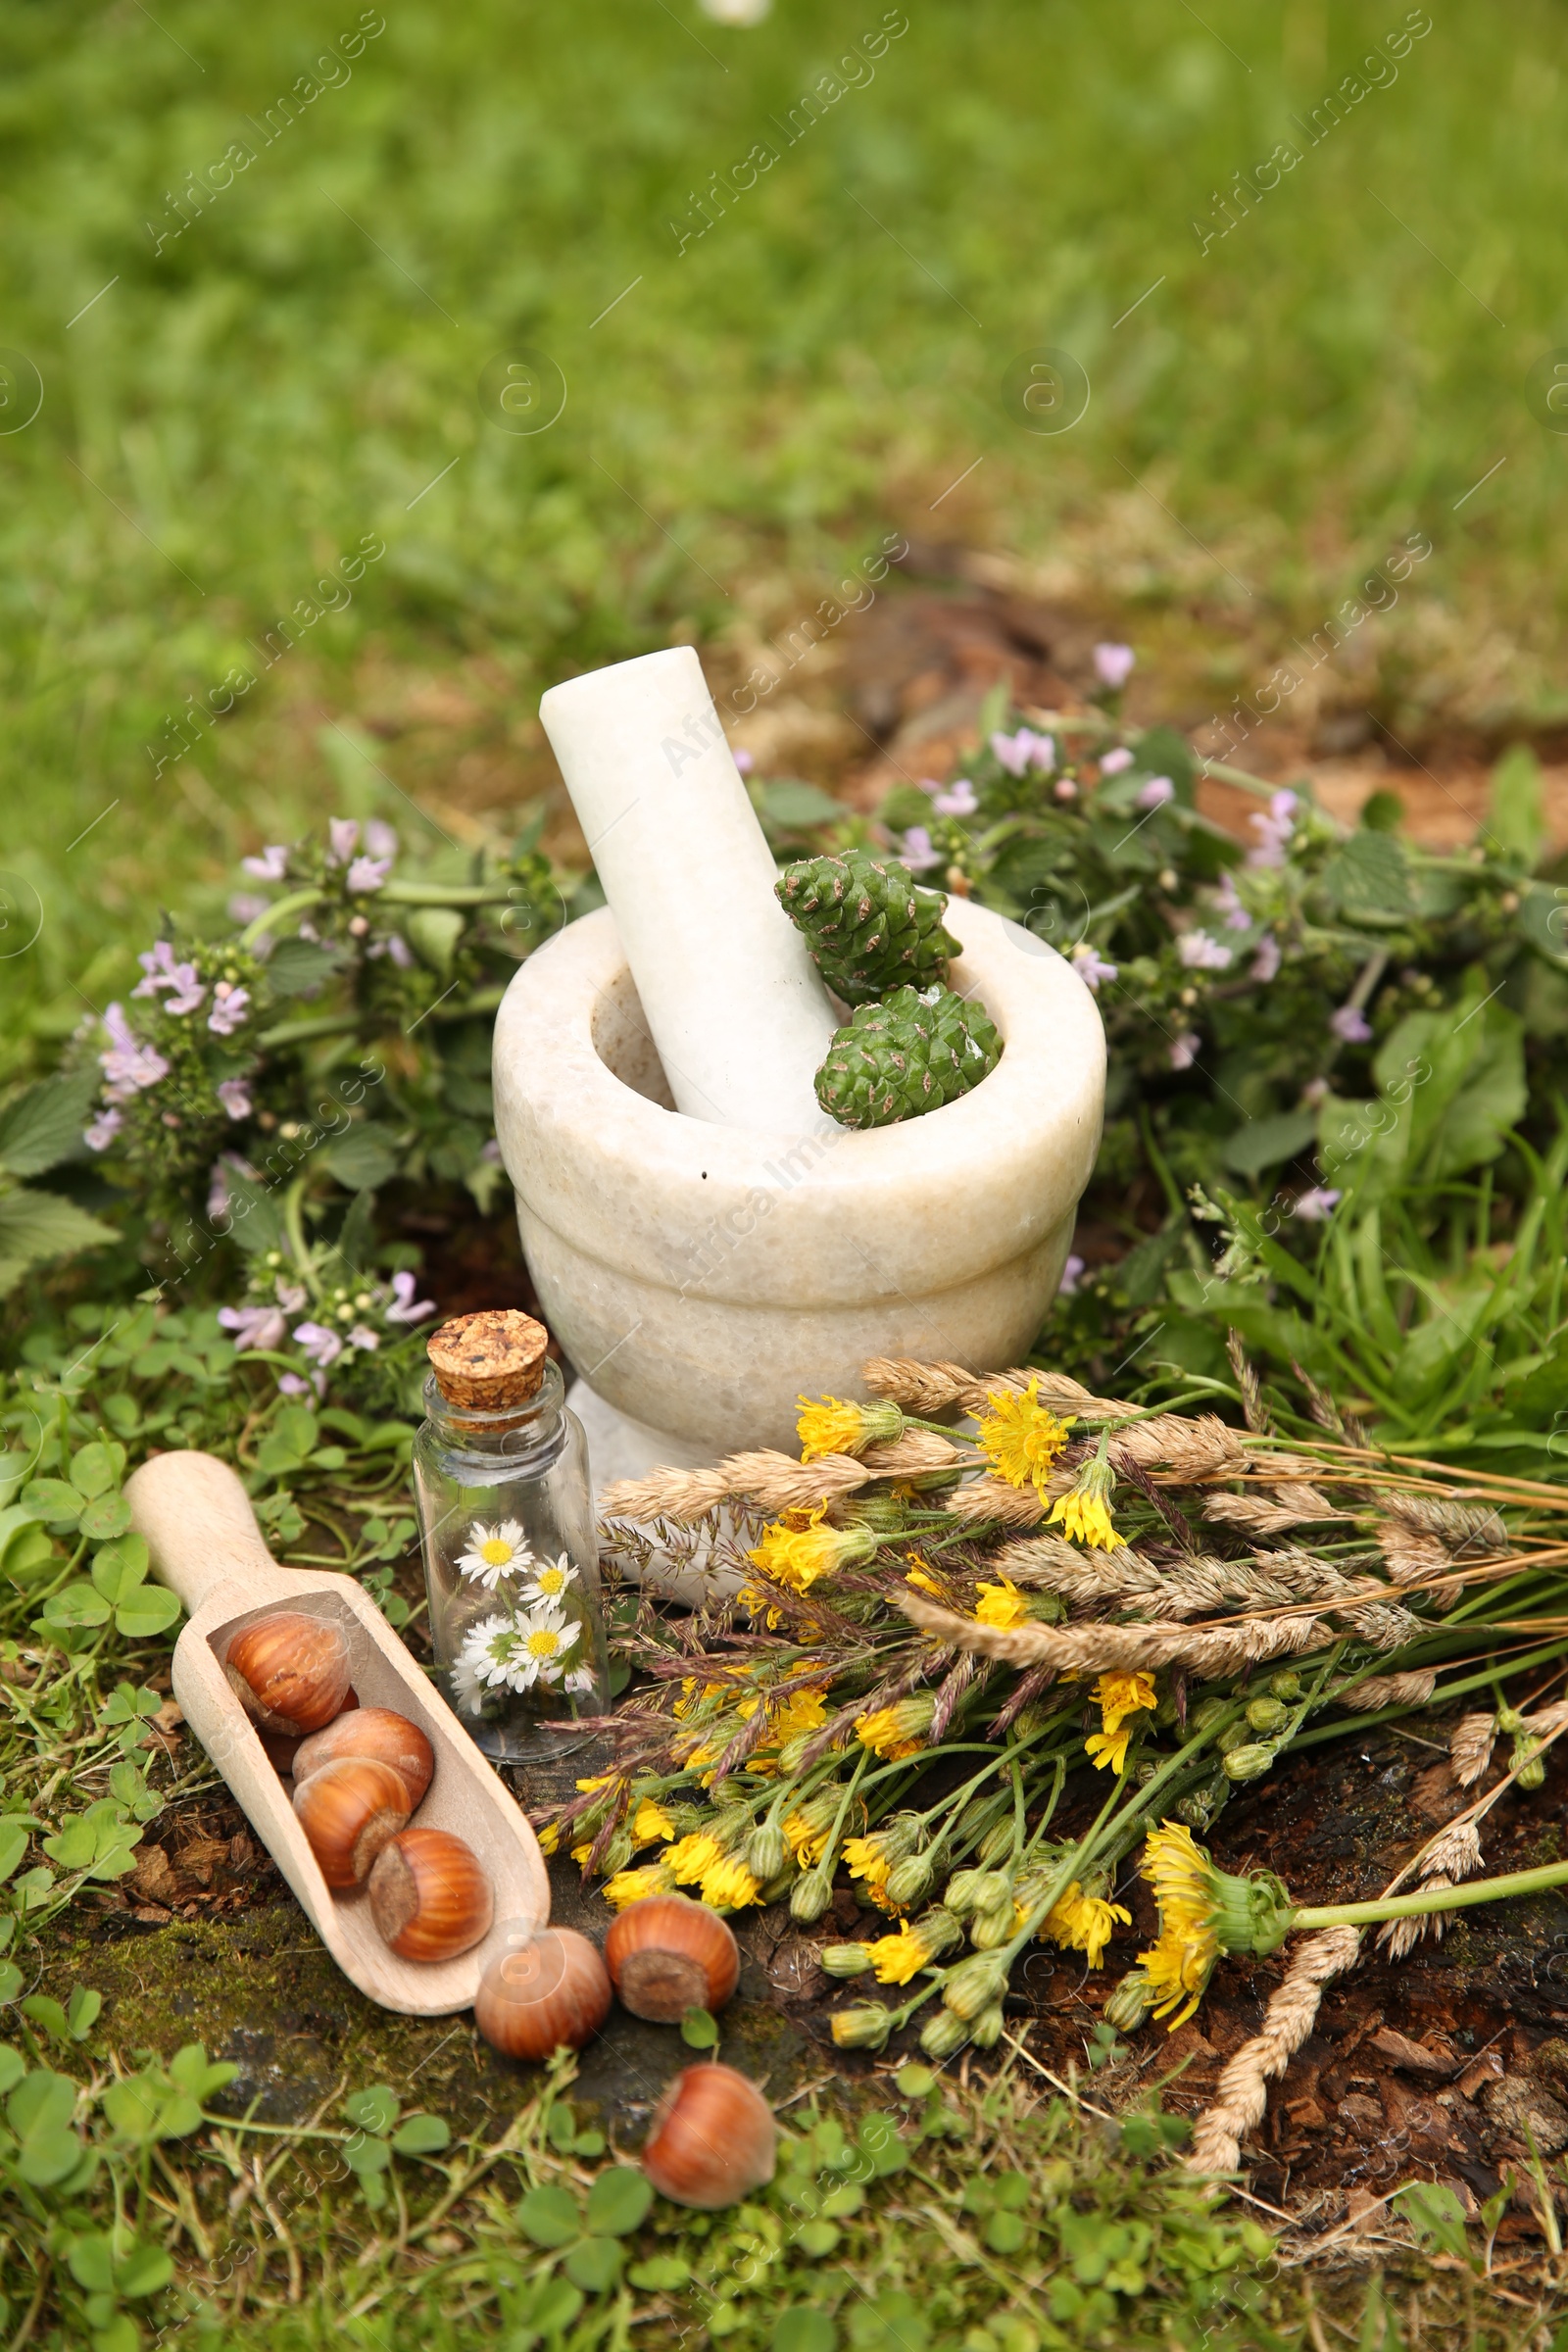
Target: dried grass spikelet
{"points": [[932, 1389], [1261, 1515], [1385, 1625], [1413, 1690], [775, 1482], [1470, 1747], [919, 1453], [993, 1498], [1190, 1450], [1468, 1527], [1242, 2094], [1411, 1555], [1546, 1719], [1092, 1648], [1399, 1938]]}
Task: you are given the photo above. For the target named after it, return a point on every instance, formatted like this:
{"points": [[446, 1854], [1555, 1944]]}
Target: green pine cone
{"points": [[869, 927], [915, 1052]]}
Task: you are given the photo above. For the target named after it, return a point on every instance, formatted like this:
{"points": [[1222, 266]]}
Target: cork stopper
{"points": [[489, 1362]]}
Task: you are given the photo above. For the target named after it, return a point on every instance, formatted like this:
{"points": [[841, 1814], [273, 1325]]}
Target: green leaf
{"points": [[362, 1159], [10, 1982], [795, 807], [802, 2330], [116, 1573], [594, 2264], [1434, 2215], [35, 1227], [1263, 1143], [147, 1612], [199, 2075], [42, 2009], [297, 965], [914, 2082], [659, 2274], [41, 2102], [78, 1604], [256, 1218], [551, 2309], [373, 2110], [128, 1704], [1368, 878], [817, 2238], [12, 2066], [73, 1846], [619, 2201], [549, 2217], [879, 2139], [1516, 820], [44, 1125], [107, 1516], [365, 2154], [434, 933], [133, 2106], [698, 2030], [422, 2135], [83, 2012], [1005, 2233], [95, 1470], [16, 1829], [52, 1500]]}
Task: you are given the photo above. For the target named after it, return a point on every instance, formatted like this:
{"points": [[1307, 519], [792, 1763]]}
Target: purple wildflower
{"points": [[1316, 1203], [1200, 953], [402, 954], [1091, 966], [244, 907], [381, 838], [235, 1096], [960, 799], [1184, 1053], [1227, 901], [130, 1063], [745, 762], [368, 873], [1274, 831], [104, 1129], [917, 853], [1112, 762], [1157, 792], [228, 1009], [321, 1346], [269, 865], [290, 1385], [1024, 750], [344, 834], [408, 1308], [1072, 1274], [1350, 1025], [290, 1295], [254, 1326], [1113, 665], [1267, 963]]}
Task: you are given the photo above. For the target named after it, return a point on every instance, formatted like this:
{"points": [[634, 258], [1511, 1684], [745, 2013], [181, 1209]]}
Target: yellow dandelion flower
{"points": [[651, 1822], [797, 1555], [1084, 1922], [1186, 1887], [580, 1854], [550, 1837], [1001, 1604], [920, 1574], [1019, 1437], [897, 1958], [727, 1885], [605, 1779], [1178, 1969], [1121, 1697], [899, 1730], [1085, 1509], [694, 1857], [829, 1425], [863, 1858], [632, 1886]]}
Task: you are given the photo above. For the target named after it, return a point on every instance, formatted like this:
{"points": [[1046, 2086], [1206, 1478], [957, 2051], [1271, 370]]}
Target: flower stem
{"points": [[1432, 1898]]}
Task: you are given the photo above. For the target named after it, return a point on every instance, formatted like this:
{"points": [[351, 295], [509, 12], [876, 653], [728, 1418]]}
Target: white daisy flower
{"points": [[579, 1680], [543, 1640], [467, 1681], [489, 1655], [550, 1581], [494, 1553]]}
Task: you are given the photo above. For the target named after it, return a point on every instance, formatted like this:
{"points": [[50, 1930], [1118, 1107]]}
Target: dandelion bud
{"points": [[865, 2026], [1249, 1763], [766, 1852], [1266, 1714], [944, 2036], [1208, 1713], [962, 1897], [845, 1959], [990, 1929], [997, 1844], [883, 1514], [1199, 1806], [1285, 1684], [1234, 1735], [910, 1878], [811, 1897], [1530, 1773], [973, 1985], [986, 2032], [617, 1854], [1130, 2002]]}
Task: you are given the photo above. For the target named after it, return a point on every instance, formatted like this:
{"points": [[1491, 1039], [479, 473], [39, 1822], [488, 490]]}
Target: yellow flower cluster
{"points": [[829, 1425], [700, 1860], [1083, 1923], [797, 1555], [1121, 1697], [649, 1823], [1179, 1966], [1020, 1438], [1084, 1511], [1001, 1604], [897, 1958], [899, 1730], [632, 1886]]}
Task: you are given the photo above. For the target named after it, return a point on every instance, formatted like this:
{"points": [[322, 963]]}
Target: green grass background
{"points": [[240, 407]]}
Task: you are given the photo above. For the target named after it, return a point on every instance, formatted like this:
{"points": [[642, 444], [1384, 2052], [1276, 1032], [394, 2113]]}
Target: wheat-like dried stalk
{"points": [[1096, 1648], [1409, 1689], [1243, 2095], [993, 1498], [1290, 1507], [1470, 1747], [775, 1482], [1188, 1451]]}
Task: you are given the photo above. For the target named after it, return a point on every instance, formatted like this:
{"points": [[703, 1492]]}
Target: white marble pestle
{"points": [[734, 1001]]}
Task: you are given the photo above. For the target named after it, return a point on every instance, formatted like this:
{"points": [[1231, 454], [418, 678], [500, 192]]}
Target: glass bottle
{"points": [[507, 1523]]}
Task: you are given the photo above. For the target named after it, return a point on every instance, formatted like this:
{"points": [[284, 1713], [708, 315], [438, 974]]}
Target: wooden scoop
{"points": [[207, 1547]]}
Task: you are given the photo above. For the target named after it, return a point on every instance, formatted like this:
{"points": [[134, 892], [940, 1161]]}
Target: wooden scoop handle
{"points": [[201, 1530]]}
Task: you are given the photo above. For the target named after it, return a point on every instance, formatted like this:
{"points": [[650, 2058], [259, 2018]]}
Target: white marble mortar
{"points": [[702, 1277]]}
